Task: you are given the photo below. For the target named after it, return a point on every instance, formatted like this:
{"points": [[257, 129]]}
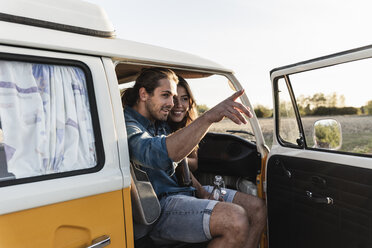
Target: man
{"points": [[236, 222]]}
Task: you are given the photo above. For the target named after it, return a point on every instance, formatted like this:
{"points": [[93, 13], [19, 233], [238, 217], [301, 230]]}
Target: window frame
{"points": [[299, 119], [100, 154], [296, 111]]}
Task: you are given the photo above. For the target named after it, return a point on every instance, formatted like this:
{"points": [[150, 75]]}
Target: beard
{"points": [[155, 113]]}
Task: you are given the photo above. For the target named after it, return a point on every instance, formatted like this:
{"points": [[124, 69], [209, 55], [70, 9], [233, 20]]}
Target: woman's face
{"points": [[181, 105]]}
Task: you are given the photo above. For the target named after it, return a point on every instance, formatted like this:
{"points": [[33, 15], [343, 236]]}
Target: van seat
{"points": [[146, 210]]}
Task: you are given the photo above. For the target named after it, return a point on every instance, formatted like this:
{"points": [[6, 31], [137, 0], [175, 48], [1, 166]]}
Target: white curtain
{"points": [[45, 119]]}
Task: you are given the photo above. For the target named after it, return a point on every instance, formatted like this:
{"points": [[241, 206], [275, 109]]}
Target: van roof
{"points": [[67, 15], [83, 16]]}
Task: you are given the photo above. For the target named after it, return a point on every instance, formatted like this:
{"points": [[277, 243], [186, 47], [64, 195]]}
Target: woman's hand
{"points": [[202, 193]]}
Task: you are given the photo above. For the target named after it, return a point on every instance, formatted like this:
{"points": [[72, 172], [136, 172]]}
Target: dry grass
{"points": [[266, 124], [356, 130]]}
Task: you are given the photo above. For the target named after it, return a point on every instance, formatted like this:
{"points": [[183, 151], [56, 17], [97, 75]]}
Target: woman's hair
{"points": [[191, 114], [149, 79]]}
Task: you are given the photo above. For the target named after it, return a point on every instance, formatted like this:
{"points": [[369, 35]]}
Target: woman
{"points": [[182, 114]]}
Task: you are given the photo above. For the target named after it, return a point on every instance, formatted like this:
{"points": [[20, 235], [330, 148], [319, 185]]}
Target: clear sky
{"points": [[249, 36]]}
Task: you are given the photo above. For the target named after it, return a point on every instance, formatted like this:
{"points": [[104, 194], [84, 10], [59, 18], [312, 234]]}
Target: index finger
{"points": [[244, 109], [236, 94]]}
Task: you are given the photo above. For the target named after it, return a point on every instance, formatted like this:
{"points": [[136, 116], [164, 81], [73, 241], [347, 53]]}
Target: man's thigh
{"points": [[183, 218]]}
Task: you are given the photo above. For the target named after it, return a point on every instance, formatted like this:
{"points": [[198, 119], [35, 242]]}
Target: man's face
{"points": [[159, 104]]}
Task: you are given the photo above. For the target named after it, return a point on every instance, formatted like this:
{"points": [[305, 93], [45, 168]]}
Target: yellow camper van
{"points": [[65, 173]]}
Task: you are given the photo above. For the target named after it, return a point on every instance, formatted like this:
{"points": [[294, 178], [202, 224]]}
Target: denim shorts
{"points": [[185, 218]]}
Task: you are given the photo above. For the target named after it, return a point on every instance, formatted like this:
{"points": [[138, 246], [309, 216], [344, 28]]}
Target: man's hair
{"points": [[148, 79]]}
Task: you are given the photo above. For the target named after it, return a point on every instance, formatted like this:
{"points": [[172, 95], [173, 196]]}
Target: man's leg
{"points": [[256, 213], [188, 219], [192, 220], [228, 226]]}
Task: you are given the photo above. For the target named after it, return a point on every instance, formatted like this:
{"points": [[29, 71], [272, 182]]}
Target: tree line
{"points": [[315, 105], [320, 104]]}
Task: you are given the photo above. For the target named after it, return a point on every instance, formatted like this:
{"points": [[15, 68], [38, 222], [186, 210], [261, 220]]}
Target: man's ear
{"points": [[143, 95]]}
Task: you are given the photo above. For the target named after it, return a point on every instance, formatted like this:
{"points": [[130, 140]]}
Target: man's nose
{"points": [[172, 102]]}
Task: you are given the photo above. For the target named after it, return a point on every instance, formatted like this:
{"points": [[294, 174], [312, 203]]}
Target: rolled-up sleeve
{"points": [[148, 151]]}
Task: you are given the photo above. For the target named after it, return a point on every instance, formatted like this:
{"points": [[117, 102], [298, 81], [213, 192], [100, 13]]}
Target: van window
{"points": [[45, 120], [208, 92], [340, 93], [289, 131]]}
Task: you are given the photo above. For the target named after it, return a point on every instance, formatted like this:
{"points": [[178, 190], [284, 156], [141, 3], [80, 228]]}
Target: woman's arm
{"points": [[192, 160], [200, 191]]}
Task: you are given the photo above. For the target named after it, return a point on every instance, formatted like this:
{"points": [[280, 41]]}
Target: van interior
{"points": [[227, 150]]}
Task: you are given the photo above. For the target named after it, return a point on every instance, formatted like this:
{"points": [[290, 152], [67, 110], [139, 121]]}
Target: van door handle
{"points": [[100, 242], [323, 200]]}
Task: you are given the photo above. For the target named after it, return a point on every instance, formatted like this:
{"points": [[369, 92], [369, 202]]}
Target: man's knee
{"points": [[251, 203], [238, 219], [254, 206], [230, 219]]}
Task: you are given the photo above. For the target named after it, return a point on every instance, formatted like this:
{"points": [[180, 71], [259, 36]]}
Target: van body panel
{"points": [[329, 60], [72, 223], [70, 211], [128, 217], [31, 195], [118, 117]]}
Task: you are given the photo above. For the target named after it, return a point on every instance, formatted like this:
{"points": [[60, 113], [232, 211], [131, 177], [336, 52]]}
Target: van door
{"points": [[60, 179], [319, 170]]}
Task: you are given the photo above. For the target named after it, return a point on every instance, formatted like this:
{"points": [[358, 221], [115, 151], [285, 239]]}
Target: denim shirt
{"points": [[148, 149]]}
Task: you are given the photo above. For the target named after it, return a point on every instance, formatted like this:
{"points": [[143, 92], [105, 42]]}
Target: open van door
{"points": [[319, 170]]}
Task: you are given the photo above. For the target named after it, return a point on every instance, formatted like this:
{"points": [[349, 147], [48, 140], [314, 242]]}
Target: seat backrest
{"points": [[4, 174], [145, 204], [146, 210]]}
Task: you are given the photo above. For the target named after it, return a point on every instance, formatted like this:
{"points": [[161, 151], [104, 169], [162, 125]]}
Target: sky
{"points": [[251, 37]]}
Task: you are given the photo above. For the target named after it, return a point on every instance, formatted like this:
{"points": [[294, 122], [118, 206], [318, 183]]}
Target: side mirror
{"points": [[327, 134]]}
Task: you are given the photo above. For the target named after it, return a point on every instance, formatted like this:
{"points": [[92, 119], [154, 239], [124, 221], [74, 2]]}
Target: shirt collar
{"points": [[143, 120]]}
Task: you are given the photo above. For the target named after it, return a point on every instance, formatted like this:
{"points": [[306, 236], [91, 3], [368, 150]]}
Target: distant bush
{"points": [[320, 104], [201, 108], [263, 112], [368, 108], [335, 111], [304, 111], [328, 136]]}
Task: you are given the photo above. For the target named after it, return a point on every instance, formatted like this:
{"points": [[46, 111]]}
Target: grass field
{"points": [[356, 131]]}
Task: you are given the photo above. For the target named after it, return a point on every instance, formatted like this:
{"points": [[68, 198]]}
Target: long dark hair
{"points": [[149, 79], [191, 114]]}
